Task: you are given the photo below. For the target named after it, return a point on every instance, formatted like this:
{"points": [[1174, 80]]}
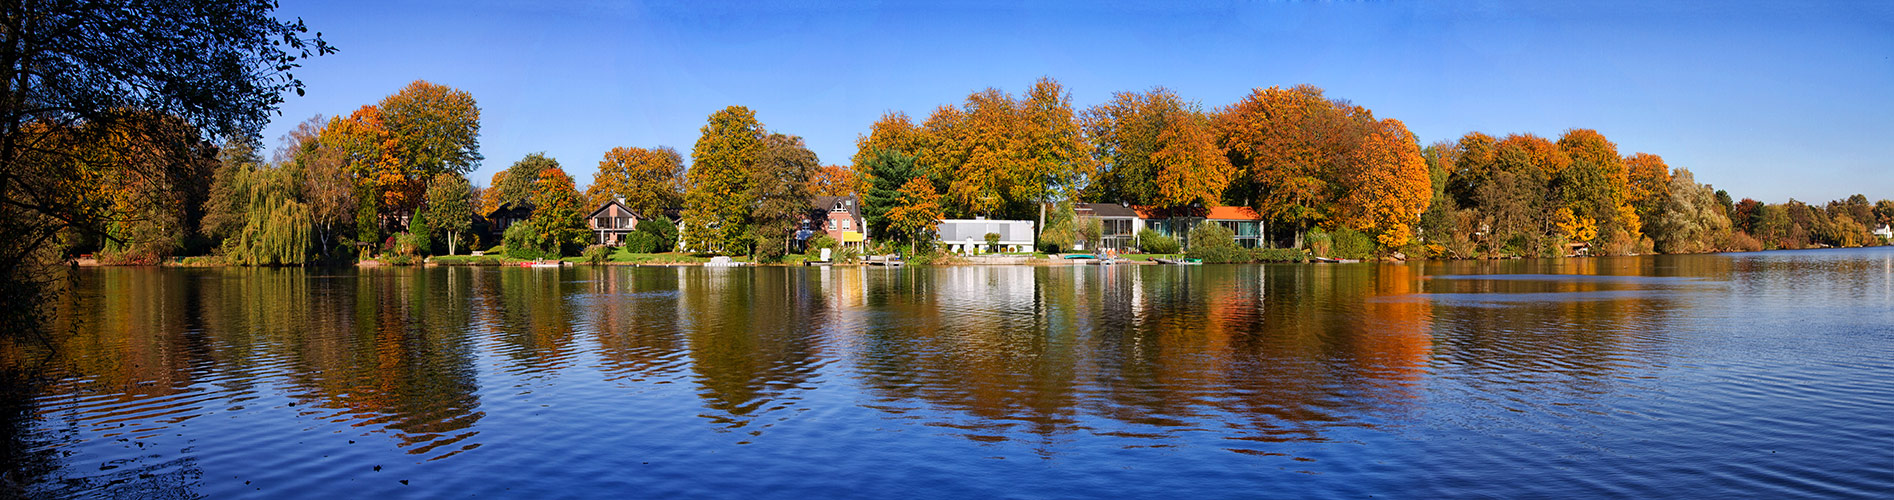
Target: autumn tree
{"points": [[1599, 188], [558, 221], [436, 126], [1153, 148], [648, 180], [74, 68], [326, 183], [916, 212], [1647, 183], [1056, 155], [1291, 147], [449, 208], [834, 180], [715, 213], [779, 192], [894, 131], [1389, 185], [998, 155]]}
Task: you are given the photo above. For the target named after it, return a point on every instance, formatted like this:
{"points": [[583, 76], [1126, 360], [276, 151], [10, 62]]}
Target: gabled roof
{"points": [[609, 204], [849, 204], [1105, 210]]}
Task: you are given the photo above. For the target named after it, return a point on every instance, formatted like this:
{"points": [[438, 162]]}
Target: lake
{"points": [[1737, 375]]}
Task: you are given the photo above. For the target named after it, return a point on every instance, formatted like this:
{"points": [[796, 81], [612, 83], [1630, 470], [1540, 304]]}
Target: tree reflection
{"points": [[753, 338]]}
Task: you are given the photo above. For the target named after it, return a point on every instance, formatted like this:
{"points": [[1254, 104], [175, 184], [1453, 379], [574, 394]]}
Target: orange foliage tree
{"points": [[1155, 149], [1388, 187], [648, 180], [834, 180], [1291, 146]]}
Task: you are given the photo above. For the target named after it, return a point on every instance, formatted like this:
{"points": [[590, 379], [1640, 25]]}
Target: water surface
{"points": [[1752, 375]]}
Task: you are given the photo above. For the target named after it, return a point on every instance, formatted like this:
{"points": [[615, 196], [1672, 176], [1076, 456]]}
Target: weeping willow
{"points": [[276, 231]]}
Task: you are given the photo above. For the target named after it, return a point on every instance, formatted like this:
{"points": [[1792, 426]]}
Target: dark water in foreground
{"points": [[1753, 375]]}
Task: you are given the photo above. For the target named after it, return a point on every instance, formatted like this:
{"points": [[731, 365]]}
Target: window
{"points": [[831, 224], [845, 225]]}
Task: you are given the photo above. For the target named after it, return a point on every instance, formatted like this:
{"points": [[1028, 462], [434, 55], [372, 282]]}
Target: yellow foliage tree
{"points": [[1390, 185]]}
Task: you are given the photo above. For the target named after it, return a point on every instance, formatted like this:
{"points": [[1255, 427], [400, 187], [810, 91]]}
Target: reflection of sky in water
{"points": [[1528, 289], [1507, 299], [1654, 280]]}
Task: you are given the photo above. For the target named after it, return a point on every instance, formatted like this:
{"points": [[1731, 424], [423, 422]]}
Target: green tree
{"points": [[449, 208], [1689, 219], [421, 233], [514, 186], [887, 171], [715, 213], [779, 191], [227, 208]]}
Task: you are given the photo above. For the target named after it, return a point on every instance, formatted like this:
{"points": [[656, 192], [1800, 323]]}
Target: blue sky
{"points": [[1767, 100]]}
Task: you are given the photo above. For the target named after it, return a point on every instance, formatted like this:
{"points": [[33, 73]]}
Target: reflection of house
{"points": [[611, 223], [969, 235], [1120, 224], [839, 217]]}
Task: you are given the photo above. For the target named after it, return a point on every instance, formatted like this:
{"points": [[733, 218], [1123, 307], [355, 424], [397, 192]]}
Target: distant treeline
{"points": [[389, 179]]}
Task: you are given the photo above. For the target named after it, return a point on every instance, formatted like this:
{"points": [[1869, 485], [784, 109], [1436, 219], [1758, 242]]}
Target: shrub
{"points": [[641, 242], [1352, 244], [520, 242], [409, 244], [1151, 241], [813, 248], [848, 255], [663, 234], [1743, 242], [768, 249], [1215, 244], [597, 254], [1276, 255], [1320, 243]]}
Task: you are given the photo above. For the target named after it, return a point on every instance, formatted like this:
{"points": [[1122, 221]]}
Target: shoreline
{"points": [[184, 262]]}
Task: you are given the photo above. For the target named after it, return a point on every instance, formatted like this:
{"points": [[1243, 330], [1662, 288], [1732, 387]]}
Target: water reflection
{"points": [[192, 382]]}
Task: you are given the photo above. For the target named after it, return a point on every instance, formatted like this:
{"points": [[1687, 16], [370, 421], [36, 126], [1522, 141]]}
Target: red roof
{"points": [[1233, 213], [1215, 213]]}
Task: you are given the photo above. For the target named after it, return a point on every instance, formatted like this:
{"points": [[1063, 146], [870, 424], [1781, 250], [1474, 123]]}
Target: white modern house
{"points": [[968, 236]]}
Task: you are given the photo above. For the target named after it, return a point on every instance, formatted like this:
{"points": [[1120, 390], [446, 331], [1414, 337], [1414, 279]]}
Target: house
{"points": [[611, 223], [969, 235], [1120, 224], [505, 217], [1243, 222], [1884, 232], [838, 217]]}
